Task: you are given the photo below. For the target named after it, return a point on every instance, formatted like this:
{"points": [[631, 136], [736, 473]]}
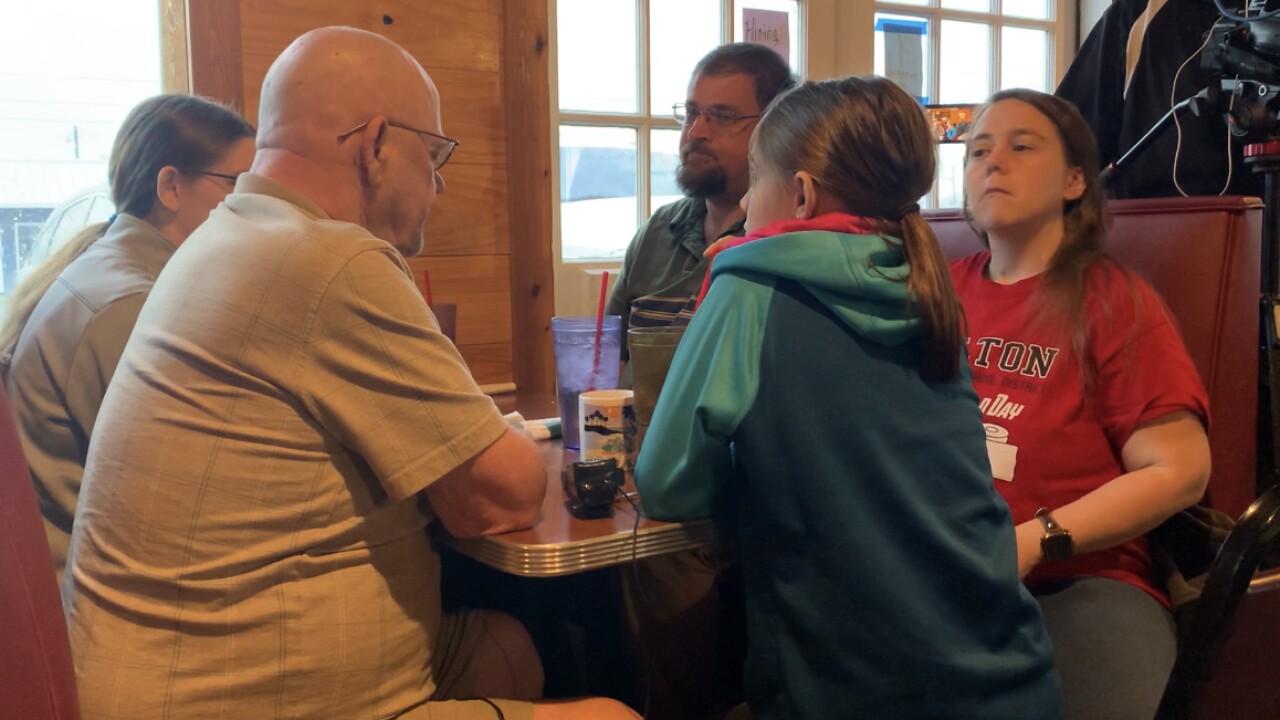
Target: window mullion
{"points": [[935, 82], [996, 69], [643, 201]]}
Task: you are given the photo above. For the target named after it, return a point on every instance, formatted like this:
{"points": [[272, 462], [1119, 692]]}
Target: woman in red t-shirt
{"points": [[1095, 415]]}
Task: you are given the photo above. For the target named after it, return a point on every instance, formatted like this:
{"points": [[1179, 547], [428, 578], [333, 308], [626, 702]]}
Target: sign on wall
{"points": [[768, 28]]}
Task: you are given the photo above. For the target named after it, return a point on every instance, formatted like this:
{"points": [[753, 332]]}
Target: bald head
{"points": [[352, 121], [331, 79]]}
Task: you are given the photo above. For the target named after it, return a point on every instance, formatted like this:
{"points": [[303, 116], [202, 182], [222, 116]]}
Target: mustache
{"points": [[696, 146]]}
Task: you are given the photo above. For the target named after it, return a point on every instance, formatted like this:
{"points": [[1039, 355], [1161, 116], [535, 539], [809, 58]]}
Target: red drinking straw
{"points": [[595, 360], [426, 286]]}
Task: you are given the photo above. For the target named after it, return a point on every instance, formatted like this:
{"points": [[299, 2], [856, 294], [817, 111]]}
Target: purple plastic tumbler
{"points": [[577, 370]]}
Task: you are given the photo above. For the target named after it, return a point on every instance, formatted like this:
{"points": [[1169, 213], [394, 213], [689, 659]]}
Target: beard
{"points": [[702, 179]]}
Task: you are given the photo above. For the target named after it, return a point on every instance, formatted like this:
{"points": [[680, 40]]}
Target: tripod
{"points": [[1263, 158]]}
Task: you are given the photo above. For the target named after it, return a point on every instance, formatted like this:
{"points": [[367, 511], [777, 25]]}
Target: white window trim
{"points": [[1061, 34], [577, 282], [833, 47]]}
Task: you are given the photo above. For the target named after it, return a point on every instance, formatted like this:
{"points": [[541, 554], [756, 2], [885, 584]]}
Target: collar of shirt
{"points": [[686, 226], [263, 185]]}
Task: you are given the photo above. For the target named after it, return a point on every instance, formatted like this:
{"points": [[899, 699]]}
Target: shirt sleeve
{"points": [[1143, 369], [686, 457], [387, 384]]}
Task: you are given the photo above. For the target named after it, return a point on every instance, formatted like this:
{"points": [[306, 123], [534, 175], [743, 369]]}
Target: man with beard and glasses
{"points": [[685, 610], [664, 265]]}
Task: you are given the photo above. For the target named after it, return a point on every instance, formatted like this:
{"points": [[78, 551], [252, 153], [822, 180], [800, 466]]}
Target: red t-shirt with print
{"points": [[1050, 443]]}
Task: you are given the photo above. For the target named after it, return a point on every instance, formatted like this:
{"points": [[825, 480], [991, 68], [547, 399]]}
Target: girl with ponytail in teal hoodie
{"points": [[820, 406]]}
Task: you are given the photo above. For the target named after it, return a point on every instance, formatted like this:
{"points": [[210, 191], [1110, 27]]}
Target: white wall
{"points": [[1090, 11]]}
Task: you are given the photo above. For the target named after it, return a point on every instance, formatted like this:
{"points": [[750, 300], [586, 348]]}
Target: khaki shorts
{"points": [[461, 634]]}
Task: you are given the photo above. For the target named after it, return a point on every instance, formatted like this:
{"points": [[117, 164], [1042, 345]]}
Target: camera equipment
{"points": [[1243, 52], [590, 487]]}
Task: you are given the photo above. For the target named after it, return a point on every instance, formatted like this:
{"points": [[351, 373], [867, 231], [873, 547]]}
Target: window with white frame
{"points": [[621, 65], [70, 70], [968, 49]]}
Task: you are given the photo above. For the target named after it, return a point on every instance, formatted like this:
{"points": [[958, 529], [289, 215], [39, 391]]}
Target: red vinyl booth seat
{"points": [[37, 681], [1203, 255]]}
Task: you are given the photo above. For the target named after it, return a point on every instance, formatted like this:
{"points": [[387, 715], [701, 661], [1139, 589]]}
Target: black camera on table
{"points": [[591, 486]]}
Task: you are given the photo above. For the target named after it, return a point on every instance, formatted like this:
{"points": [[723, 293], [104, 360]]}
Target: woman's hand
{"points": [[1028, 534]]}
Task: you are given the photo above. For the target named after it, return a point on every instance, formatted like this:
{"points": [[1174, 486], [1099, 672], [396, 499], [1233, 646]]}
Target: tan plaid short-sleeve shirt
{"points": [[251, 538]]}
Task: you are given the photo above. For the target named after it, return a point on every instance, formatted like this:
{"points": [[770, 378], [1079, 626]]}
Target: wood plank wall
{"points": [[469, 254]]}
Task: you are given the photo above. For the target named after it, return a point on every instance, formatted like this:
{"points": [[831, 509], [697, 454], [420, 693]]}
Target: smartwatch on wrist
{"points": [[1056, 543]]}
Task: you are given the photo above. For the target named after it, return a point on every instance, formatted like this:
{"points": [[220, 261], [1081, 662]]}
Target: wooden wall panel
{"points": [[471, 105], [479, 286], [441, 34], [175, 66], [489, 364], [470, 217], [214, 50], [526, 81]]}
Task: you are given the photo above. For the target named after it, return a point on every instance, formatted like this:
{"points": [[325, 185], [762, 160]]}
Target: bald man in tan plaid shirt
{"points": [[285, 422]]}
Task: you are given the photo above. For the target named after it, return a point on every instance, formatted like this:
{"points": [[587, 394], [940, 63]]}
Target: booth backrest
{"points": [[1204, 256], [36, 677]]}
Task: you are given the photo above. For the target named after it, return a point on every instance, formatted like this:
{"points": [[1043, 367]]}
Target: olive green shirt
{"points": [[664, 265]]}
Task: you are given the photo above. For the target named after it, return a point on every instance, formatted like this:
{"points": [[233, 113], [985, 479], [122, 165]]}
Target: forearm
{"points": [[1168, 464], [1125, 508], [499, 490]]}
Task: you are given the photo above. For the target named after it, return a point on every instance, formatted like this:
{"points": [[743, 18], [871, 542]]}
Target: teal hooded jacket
{"points": [[880, 563]]}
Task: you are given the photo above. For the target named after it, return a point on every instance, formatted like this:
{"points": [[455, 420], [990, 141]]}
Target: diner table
{"points": [[561, 544]]}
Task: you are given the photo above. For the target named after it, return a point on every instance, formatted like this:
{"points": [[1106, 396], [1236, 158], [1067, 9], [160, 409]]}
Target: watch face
{"points": [[1056, 545]]}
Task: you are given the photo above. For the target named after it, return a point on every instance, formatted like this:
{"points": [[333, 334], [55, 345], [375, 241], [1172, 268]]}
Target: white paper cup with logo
{"points": [[1003, 456], [607, 426]]}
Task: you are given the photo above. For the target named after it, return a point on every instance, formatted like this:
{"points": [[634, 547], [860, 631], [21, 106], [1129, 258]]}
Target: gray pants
{"points": [[1114, 645]]}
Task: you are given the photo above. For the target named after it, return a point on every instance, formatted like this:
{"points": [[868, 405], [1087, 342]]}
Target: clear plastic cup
{"points": [[579, 367]]}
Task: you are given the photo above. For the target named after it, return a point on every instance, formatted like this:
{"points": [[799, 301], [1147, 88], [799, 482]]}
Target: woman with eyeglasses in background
{"points": [[174, 159]]}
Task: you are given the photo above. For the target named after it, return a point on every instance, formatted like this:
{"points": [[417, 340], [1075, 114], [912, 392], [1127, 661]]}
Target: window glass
{"points": [[598, 209], [609, 179], [681, 32], [1024, 58], [951, 175], [981, 6], [1034, 9], [596, 44], [664, 158], [965, 59], [903, 48], [72, 70]]}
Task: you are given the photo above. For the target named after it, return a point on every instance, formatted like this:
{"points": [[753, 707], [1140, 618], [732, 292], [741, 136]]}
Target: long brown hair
{"points": [[188, 132], [867, 142], [1065, 284]]}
